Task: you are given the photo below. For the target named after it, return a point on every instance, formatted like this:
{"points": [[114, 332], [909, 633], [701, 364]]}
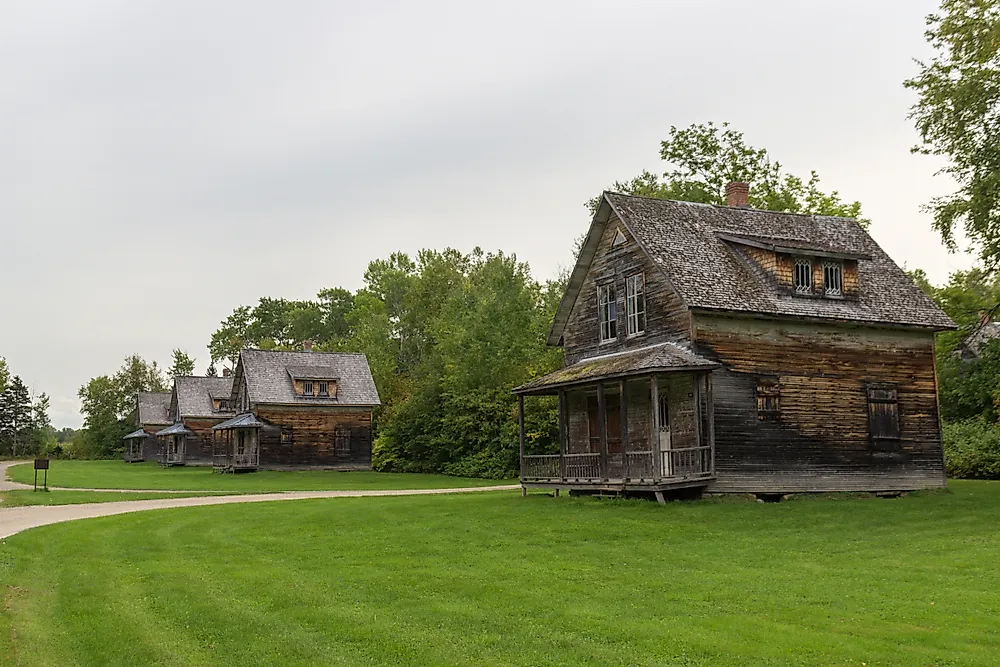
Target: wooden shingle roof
{"points": [[268, 375], [154, 407], [195, 394]]}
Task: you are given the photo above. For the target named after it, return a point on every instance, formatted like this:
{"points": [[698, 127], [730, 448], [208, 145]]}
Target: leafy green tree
{"points": [[956, 115], [182, 364], [704, 158]]}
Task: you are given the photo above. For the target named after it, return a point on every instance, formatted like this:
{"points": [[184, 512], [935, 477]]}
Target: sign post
{"points": [[42, 464]]}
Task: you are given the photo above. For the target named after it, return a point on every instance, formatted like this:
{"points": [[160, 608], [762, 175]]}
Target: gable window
{"points": [[307, 388], [324, 388], [607, 308], [635, 304], [803, 276], [833, 278], [768, 399], [619, 239], [883, 415]]}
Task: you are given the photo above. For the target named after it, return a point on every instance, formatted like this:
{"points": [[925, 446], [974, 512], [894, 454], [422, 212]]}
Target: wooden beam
{"points": [[563, 431], [710, 406], [602, 428], [520, 430], [654, 436], [623, 418]]}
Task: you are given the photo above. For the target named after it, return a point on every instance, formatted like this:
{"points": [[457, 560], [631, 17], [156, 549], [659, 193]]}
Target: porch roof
{"points": [[176, 429], [662, 358], [136, 434], [245, 420]]}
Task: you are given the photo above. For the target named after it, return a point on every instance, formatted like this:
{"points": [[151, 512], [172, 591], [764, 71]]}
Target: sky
{"points": [[164, 162]]}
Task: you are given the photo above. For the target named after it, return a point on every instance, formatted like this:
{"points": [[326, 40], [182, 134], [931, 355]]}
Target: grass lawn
{"points": [[493, 579], [152, 476], [22, 498]]}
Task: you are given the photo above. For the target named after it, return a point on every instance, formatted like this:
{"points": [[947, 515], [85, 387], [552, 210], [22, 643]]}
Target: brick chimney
{"points": [[226, 372], [307, 346], [738, 194]]}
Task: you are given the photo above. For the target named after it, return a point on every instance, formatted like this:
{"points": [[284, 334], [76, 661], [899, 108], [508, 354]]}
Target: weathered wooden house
{"points": [[739, 350], [151, 414], [299, 409], [196, 405]]}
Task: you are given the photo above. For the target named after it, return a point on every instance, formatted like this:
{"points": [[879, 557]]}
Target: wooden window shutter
{"points": [[768, 399], [883, 412]]}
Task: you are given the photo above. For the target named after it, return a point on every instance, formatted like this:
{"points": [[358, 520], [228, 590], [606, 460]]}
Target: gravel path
{"points": [[15, 519]]}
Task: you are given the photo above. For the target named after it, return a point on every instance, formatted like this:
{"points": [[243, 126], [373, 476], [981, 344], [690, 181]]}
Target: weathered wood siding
{"points": [[679, 388], [198, 447], [307, 436], [821, 441], [667, 318], [152, 446]]}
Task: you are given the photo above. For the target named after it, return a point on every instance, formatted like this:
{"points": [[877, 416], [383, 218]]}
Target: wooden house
{"points": [[175, 439], [300, 409], [739, 350], [151, 414], [197, 404], [133, 451]]}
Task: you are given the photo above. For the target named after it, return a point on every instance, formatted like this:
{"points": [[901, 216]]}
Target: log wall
{"points": [[667, 318], [820, 441], [307, 436], [198, 447]]}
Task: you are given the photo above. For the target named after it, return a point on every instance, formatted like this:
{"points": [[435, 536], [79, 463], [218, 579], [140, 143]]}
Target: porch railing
{"points": [[634, 466]]}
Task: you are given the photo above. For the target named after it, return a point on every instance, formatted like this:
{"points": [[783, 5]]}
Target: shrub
{"points": [[972, 449]]}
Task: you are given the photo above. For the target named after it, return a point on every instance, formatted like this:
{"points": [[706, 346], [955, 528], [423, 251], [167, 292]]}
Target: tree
{"points": [[182, 364], [210, 371], [15, 414], [704, 158], [956, 115], [4, 374]]}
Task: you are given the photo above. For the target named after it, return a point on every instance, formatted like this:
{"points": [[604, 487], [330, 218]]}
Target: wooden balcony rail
{"points": [[686, 462], [641, 465], [582, 466], [634, 466]]}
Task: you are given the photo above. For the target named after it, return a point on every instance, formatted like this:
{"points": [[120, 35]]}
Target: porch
{"points": [[236, 444], [174, 452], [134, 442], [649, 427]]}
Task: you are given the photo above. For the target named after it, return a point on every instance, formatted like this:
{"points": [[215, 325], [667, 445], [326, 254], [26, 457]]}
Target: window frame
{"points": [[880, 393], [634, 299], [802, 262], [324, 388], [342, 441], [607, 305], [307, 388], [829, 267], [767, 391]]}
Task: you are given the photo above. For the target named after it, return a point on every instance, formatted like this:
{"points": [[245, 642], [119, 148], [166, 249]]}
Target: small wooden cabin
{"points": [[133, 451], [152, 414], [175, 449], [314, 408], [201, 403], [237, 444], [739, 350]]}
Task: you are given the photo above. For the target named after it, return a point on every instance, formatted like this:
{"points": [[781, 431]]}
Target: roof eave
{"points": [[757, 314], [656, 370]]}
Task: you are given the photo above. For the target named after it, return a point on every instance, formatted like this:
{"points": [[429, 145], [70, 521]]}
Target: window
{"points": [[223, 404], [342, 441], [307, 388], [833, 278], [607, 312], [618, 240], [635, 304], [803, 276], [324, 389], [883, 414], [286, 435], [240, 443], [768, 399]]}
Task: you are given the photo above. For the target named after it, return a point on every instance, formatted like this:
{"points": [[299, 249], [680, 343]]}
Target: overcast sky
{"points": [[164, 162]]}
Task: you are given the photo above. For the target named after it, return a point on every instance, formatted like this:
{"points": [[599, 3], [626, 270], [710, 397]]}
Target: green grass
{"points": [[151, 476], [22, 498], [493, 579]]}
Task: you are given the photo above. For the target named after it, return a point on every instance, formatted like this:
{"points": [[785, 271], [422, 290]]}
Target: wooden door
{"points": [[613, 414], [663, 437]]}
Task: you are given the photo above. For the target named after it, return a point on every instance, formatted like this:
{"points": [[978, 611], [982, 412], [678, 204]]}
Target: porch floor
{"points": [[665, 484]]}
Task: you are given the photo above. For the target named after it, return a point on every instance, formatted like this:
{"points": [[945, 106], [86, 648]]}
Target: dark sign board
{"points": [[41, 464]]}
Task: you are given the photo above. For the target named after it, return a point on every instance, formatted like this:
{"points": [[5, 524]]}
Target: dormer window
{"points": [[607, 308], [324, 388], [803, 276], [833, 278], [307, 388]]}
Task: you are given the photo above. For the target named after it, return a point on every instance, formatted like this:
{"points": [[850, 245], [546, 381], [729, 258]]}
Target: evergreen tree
{"points": [[15, 414]]}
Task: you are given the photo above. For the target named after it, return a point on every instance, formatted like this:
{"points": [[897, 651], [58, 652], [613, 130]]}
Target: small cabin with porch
{"points": [[133, 451], [198, 404], [731, 349], [151, 414], [296, 409]]}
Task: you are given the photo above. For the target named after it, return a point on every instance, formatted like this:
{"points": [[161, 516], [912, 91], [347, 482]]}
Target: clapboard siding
{"points": [[198, 447], [667, 318], [821, 441], [310, 436]]}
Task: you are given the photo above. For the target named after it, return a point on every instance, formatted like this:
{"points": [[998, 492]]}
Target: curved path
{"points": [[15, 519]]}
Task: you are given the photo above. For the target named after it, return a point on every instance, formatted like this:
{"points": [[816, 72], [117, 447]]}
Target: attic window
{"points": [[833, 278], [324, 388], [307, 388], [619, 239], [607, 308], [803, 276]]}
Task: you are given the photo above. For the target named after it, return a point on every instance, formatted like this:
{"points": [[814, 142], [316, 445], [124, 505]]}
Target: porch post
{"points": [[563, 433], [520, 433], [623, 418], [654, 436], [602, 428], [710, 406]]}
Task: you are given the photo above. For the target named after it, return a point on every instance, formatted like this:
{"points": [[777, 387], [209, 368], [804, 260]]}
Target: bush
{"points": [[972, 449]]}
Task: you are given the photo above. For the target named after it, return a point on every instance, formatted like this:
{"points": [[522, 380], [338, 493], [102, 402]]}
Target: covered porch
{"points": [[134, 441], [174, 452], [236, 444], [634, 421]]}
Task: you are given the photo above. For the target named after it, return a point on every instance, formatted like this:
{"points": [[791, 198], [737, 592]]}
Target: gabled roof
{"points": [[693, 245], [268, 376], [664, 357], [245, 420], [154, 407], [176, 429], [195, 394], [135, 435]]}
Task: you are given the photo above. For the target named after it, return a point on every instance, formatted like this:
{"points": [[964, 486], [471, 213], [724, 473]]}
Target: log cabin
{"points": [[151, 414], [196, 405], [730, 349], [299, 409]]}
